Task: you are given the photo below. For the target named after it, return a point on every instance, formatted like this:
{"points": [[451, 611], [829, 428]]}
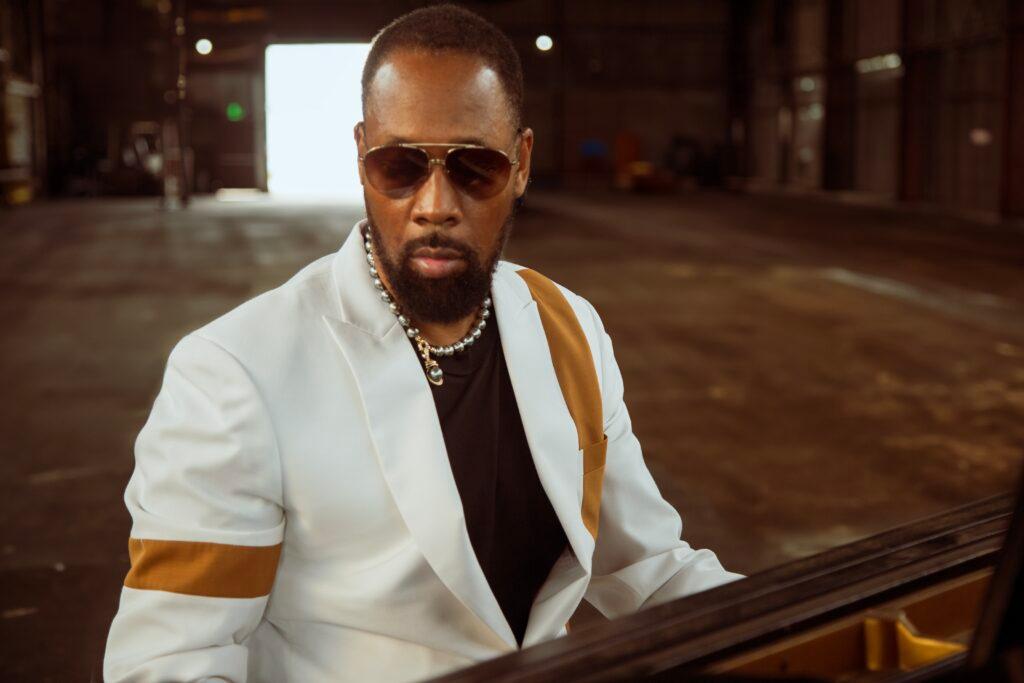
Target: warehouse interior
{"points": [[802, 222], [907, 101]]}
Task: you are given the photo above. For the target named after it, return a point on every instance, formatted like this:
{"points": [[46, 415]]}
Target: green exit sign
{"points": [[235, 111]]}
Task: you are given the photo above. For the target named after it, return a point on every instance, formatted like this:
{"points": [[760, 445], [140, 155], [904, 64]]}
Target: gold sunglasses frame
{"points": [[450, 147]]}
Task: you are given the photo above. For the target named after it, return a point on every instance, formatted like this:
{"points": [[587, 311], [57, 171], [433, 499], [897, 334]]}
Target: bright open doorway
{"points": [[313, 101]]}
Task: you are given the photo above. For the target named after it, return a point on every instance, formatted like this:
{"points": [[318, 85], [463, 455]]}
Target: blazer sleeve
{"points": [[207, 524], [639, 559]]}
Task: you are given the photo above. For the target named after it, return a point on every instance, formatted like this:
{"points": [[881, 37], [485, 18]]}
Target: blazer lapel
{"points": [[549, 427], [407, 435]]}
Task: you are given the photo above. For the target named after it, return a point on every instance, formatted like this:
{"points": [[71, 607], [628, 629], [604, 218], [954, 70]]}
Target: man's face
{"points": [[447, 97]]}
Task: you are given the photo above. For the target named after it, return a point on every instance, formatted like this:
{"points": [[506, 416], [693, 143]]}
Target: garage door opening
{"points": [[313, 101]]}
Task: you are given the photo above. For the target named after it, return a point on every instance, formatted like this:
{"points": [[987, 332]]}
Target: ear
{"points": [[359, 133], [525, 150]]}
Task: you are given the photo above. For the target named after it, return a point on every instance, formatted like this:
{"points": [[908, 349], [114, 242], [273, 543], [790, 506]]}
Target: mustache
{"points": [[437, 240]]}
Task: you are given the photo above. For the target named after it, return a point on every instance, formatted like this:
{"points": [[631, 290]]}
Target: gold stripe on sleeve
{"points": [[213, 570], [574, 367]]}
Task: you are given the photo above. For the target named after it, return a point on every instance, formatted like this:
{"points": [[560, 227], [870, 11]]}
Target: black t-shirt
{"points": [[513, 528]]}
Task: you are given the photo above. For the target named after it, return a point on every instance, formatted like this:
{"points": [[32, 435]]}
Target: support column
{"points": [[783, 30], [1012, 200], [737, 131], [911, 141], [840, 103], [258, 120]]}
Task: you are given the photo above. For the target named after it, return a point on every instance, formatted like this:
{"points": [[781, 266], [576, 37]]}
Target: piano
{"points": [[936, 600]]}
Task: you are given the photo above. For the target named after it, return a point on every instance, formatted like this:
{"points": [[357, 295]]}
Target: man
{"points": [[413, 455]]}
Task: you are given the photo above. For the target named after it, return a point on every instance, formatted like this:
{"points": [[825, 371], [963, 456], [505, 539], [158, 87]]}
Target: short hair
{"points": [[447, 27]]}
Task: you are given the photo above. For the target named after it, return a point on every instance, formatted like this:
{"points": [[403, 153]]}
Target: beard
{"points": [[443, 299]]}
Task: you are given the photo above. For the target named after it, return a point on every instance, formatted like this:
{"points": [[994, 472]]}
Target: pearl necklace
{"points": [[433, 370]]}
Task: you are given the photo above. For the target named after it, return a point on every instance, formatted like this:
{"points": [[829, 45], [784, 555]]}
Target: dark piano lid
{"points": [[678, 640], [1001, 627]]}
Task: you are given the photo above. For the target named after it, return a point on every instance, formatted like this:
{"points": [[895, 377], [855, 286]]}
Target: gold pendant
{"points": [[434, 373]]}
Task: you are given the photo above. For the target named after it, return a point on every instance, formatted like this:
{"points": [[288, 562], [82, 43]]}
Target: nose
{"points": [[436, 201]]}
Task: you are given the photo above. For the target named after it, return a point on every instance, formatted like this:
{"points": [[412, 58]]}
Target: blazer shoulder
{"points": [[281, 311], [586, 314]]}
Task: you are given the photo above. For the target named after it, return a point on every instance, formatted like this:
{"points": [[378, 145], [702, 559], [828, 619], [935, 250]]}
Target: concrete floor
{"points": [[800, 374]]}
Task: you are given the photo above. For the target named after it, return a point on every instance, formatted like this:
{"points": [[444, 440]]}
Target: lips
{"points": [[437, 261], [436, 253]]}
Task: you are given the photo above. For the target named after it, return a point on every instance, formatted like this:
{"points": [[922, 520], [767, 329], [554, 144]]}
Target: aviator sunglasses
{"points": [[396, 170]]}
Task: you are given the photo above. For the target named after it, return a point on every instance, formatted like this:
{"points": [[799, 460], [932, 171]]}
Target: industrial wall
{"points": [[624, 82], [891, 100], [908, 100], [22, 129]]}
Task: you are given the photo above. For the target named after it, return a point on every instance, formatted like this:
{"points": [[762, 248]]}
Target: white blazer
{"points": [[294, 512]]}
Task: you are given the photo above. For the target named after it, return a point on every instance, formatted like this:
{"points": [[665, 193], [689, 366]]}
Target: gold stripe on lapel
{"points": [[213, 570], [574, 368]]}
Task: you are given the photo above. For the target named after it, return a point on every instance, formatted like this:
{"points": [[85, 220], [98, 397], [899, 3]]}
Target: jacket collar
{"points": [[408, 437]]}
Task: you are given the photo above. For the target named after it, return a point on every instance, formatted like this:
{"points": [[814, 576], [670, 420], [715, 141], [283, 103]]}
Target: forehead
{"points": [[419, 96]]}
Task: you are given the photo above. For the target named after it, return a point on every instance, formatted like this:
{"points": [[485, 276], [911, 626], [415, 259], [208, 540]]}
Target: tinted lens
{"points": [[396, 171], [480, 173]]}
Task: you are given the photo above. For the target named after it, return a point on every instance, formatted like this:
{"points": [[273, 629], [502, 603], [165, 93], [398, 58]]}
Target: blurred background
{"points": [[802, 222]]}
